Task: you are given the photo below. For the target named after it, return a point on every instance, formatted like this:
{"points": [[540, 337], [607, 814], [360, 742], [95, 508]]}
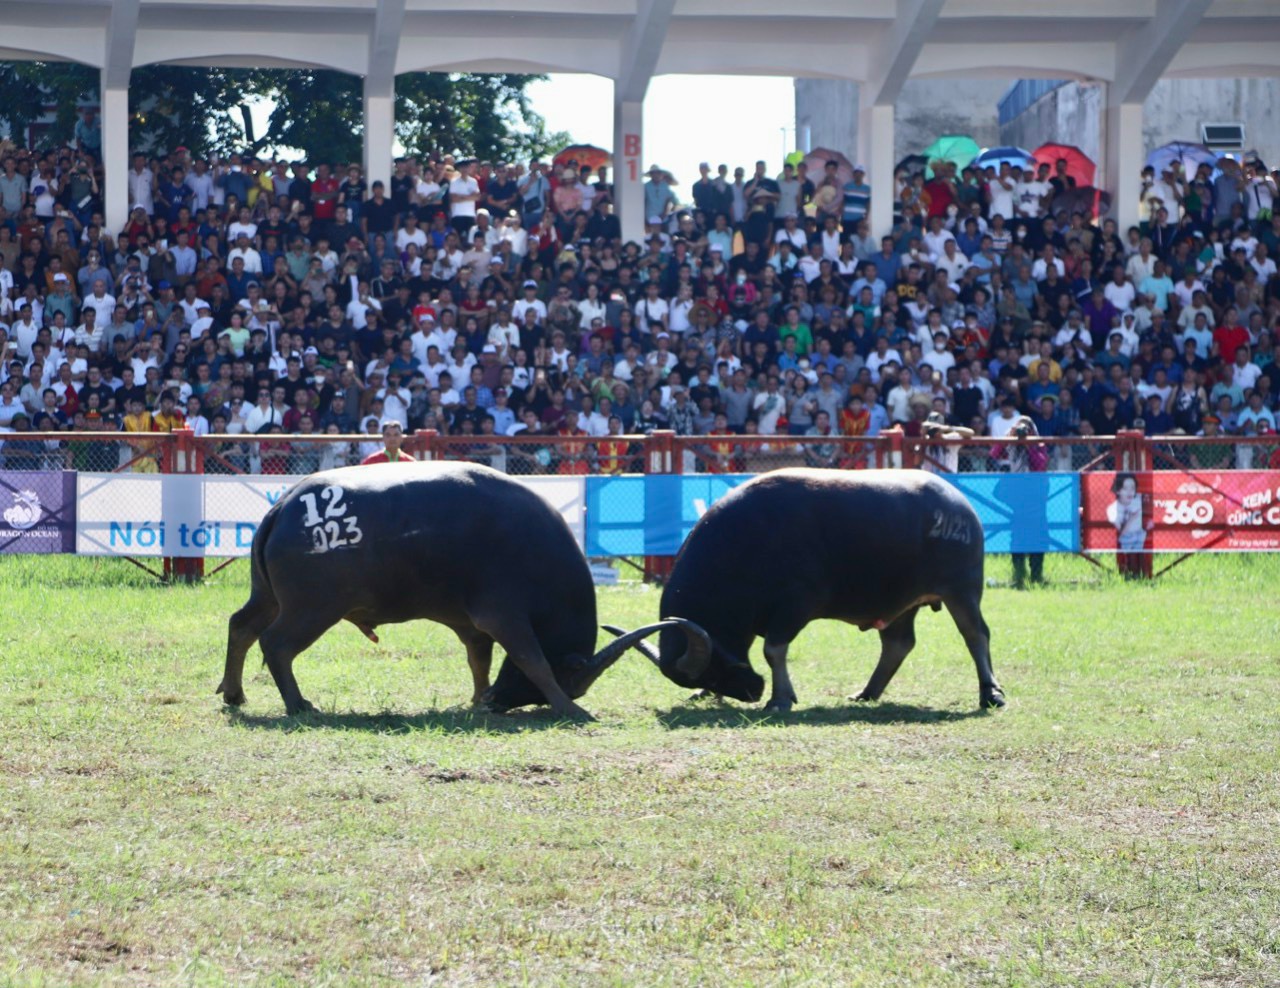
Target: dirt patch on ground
{"points": [[526, 775]]}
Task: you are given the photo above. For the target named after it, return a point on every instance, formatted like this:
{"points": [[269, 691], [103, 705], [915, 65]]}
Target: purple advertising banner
{"points": [[37, 511]]}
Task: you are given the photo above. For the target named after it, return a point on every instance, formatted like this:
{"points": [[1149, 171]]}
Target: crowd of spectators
{"points": [[257, 296]]}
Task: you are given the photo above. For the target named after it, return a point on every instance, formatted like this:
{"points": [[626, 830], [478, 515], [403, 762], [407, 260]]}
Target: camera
{"points": [[1022, 431]]}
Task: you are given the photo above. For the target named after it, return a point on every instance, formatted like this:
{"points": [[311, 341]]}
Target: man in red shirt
{"points": [[1228, 337], [392, 436], [324, 195]]}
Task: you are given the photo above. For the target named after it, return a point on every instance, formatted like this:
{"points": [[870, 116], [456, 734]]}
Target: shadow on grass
{"points": [[719, 714], [456, 721]]}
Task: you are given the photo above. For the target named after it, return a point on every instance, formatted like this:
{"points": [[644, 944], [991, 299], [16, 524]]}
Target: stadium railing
{"points": [[289, 455]]}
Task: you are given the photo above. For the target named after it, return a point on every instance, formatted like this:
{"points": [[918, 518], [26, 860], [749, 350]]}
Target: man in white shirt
{"points": [[142, 185], [530, 301], [505, 336], [590, 420], [936, 237], [952, 261], [243, 250], [1048, 259], [359, 307], [23, 332], [102, 302], [395, 400], [200, 182], [1031, 192], [1120, 292], [410, 233], [1001, 191], [464, 190]]}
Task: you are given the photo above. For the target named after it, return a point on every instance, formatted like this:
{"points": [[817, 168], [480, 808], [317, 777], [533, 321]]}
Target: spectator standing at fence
{"points": [[392, 438], [1026, 456]]}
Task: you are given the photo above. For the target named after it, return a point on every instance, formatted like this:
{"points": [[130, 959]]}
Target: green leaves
{"points": [[317, 112]]}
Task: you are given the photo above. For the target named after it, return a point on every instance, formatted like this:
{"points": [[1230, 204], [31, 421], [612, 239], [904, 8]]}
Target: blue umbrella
{"points": [[995, 157], [1192, 156]]}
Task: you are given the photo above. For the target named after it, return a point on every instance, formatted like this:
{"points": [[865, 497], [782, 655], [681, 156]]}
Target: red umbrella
{"points": [[584, 154], [1079, 165]]}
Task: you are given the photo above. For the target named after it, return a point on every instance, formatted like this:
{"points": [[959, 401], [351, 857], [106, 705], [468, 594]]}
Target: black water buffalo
{"points": [[866, 547], [459, 544]]}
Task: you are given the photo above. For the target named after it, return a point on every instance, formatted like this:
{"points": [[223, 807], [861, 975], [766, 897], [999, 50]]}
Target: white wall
{"points": [[1174, 111], [926, 109]]}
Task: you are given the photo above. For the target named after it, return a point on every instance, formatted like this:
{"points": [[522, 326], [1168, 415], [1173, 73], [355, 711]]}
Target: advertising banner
{"points": [[649, 515], [37, 511], [1024, 512], [652, 515], [1208, 511], [192, 515]]}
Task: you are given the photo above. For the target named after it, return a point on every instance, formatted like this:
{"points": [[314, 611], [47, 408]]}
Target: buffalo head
{"points": [[689, 657], [575, 672]]}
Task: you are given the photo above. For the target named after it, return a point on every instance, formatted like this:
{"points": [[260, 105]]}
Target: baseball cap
{"points": [[530, 283]]}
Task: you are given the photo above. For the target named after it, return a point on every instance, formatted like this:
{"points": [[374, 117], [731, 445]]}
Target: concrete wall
{"points": [[926, 109], [1072, 114]]}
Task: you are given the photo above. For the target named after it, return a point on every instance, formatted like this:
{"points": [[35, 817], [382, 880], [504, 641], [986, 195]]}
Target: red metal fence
{"points": [[1197, 458]]}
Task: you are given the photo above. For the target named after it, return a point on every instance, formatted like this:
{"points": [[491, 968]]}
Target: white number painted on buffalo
{"points": [[335, 529], [952, 528]]}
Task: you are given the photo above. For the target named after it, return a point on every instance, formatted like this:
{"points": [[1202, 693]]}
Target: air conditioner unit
{"points": [[1223, 136]]}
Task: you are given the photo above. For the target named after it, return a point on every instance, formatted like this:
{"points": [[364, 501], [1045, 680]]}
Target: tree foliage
{"points": [[318, 112]]}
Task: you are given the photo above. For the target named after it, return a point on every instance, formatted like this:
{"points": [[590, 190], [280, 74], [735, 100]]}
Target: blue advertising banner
{"points": [[652, 515], [649, 515], [1024, 512], [37, 511]]}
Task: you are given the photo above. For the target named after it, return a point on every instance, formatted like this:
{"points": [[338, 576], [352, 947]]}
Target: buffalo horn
{"points": [[643, 647], [610, 654], [697, 653]]}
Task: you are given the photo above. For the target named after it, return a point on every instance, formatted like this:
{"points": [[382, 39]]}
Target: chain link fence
{"points": [[760, 454], [84, 452]]}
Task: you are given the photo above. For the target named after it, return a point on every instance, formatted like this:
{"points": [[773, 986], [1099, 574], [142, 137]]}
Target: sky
{"points": [[676, 137]]}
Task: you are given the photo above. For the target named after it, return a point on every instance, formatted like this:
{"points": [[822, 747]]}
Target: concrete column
{"points": [[114, 120], [628, 168], [1122, 161], [875, 150], [379, 134]]}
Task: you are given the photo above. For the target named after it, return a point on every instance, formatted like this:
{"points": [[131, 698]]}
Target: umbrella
{"points": [[958, 149], [794, 158], [816, 161], [1079, 165], [995, 157], [1190, 156], [584, 154], [912, 164]]}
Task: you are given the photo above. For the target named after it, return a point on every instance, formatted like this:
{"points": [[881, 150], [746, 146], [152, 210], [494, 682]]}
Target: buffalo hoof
{"points": [[300, 707], [778, 706], [992, 699], [232, 698], [577, 714], [863, 697]]}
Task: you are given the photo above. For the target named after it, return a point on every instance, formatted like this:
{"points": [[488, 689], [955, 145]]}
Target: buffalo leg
{"points": [[977, 636], [783, 695], [480, 659], [280, 643], [896, 642], [523, 647], [243, 630]]}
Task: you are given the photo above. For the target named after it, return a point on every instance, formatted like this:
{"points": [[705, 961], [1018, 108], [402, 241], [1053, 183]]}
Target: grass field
{"points": [[1115, 825]]}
